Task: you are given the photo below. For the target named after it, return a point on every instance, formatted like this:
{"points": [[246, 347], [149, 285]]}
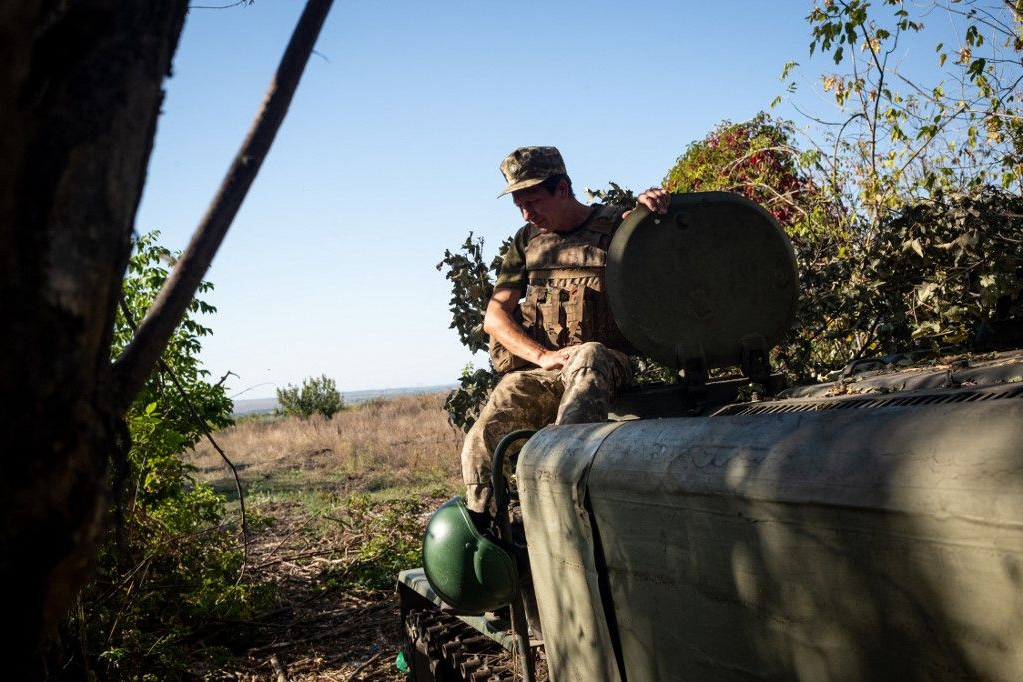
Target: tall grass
{"points": [[400, 442]]}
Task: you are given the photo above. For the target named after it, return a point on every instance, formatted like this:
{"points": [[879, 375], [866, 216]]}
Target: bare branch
{"points": [[204, 427], [133, 366], [233, 4]]}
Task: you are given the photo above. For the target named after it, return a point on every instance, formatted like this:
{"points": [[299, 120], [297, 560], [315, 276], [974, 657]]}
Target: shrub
{"points": [[318, 395], [172, 567], [472, 285]]}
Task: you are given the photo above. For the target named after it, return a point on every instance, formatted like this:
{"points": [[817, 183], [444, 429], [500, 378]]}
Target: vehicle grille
{"points": [[874, 400]]}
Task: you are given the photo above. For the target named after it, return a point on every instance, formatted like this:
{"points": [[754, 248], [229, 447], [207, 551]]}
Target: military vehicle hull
{"points": [[809, 542]]}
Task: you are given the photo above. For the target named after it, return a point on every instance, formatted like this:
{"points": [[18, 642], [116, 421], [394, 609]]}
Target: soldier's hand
{"points": [[657, 199], [554, 359]]}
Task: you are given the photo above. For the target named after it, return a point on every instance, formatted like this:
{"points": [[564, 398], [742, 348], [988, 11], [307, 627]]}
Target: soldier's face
{"points": [[540, 208]]}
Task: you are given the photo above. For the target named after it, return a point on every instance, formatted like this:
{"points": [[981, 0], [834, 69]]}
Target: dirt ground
{"points": [[320, 631]]}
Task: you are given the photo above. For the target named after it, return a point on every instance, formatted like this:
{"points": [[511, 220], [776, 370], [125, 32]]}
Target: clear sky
{"points": [[390, 152]]}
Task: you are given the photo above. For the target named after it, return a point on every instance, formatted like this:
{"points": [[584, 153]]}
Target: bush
{"points": [[172, 567], [316, 396], [464, 403], [472, 285], [939, 273]]}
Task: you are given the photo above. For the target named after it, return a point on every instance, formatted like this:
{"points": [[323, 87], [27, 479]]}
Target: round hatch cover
{"points": [[712, 275]]}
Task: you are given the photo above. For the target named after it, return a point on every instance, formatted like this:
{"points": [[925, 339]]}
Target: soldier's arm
{"points": [[500, 324]]}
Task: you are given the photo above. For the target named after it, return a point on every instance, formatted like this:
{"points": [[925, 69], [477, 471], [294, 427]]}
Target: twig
{"points": [[365, 665], [275, 662], [301, 555], [281, 544]]}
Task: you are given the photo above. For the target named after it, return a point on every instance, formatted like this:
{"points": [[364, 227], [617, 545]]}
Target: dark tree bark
{"points": [[80, 91]]}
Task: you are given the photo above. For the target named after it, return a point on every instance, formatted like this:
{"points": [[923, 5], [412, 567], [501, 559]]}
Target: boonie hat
{"points": [[529, 166]]}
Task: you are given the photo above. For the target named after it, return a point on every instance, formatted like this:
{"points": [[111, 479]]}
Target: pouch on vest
{"points": [[575, 315], [541, 316], [551, 314]]}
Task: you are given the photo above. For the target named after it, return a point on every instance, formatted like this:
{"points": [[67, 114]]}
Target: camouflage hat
{"points": [[529, 166]]}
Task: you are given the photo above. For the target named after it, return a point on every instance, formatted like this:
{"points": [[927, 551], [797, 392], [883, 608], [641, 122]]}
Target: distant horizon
{"points": [[354, 391], [251, 405]]}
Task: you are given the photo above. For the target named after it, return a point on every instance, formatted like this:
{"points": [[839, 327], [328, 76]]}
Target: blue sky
{"points": [[390, 152]]}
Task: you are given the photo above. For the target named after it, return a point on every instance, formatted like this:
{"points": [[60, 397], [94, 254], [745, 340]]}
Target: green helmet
{"points": [[468, 570]]}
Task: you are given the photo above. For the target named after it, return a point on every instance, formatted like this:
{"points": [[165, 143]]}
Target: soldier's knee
{"points": [[589, 354]]}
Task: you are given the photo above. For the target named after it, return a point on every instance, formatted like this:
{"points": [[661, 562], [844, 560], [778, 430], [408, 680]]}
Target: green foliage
{"points": [[391, 541], [471, 288], [615, 194], [463, 404], [939, 272], [903, 136], [172, 568], [915, 252], [757, 159], [318, 395], [647, 371], [472, 285], [177, 429]]}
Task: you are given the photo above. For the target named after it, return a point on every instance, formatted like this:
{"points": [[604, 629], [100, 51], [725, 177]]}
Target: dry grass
{"points": [[341, 505], [404, 442]]}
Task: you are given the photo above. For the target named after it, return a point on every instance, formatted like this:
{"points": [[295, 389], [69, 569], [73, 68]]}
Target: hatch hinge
{"points": [[694, 378], [756, 364]]}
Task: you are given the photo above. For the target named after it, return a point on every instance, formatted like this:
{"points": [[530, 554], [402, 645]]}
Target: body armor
{"points": [[565, 303]]}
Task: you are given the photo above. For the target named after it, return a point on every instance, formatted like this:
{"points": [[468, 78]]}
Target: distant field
{"points": [[266, 405], [401, 442]]}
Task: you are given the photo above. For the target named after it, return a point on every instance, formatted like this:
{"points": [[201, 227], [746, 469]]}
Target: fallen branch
{"points": [[282, 675], [362, 667]]}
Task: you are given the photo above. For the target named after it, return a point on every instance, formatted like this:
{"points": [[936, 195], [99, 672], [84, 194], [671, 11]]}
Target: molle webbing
{"points": [[561, 278], [565, 303]]}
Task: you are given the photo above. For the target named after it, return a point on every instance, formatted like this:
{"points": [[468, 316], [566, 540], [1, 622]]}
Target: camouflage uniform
{"points": [[578, 393], [561, 276]]}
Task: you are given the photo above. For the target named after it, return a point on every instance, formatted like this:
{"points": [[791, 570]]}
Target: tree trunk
{"points": [[80, 91]]}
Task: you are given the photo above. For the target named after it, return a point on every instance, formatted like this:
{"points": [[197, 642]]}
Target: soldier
{"points": [[551, 330]]}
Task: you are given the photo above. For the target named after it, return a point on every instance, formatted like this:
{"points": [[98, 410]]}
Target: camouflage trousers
{"points": [[578, 393]]}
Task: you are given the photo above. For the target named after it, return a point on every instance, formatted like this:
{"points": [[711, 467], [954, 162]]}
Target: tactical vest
{"points": [[565, 302]]}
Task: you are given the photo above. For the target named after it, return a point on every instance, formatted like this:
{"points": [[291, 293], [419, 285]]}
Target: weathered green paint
{"points": [[823, 545], [694, 283]]}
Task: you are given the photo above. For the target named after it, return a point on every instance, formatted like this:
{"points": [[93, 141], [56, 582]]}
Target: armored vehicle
{"points": [[728, 527]]}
